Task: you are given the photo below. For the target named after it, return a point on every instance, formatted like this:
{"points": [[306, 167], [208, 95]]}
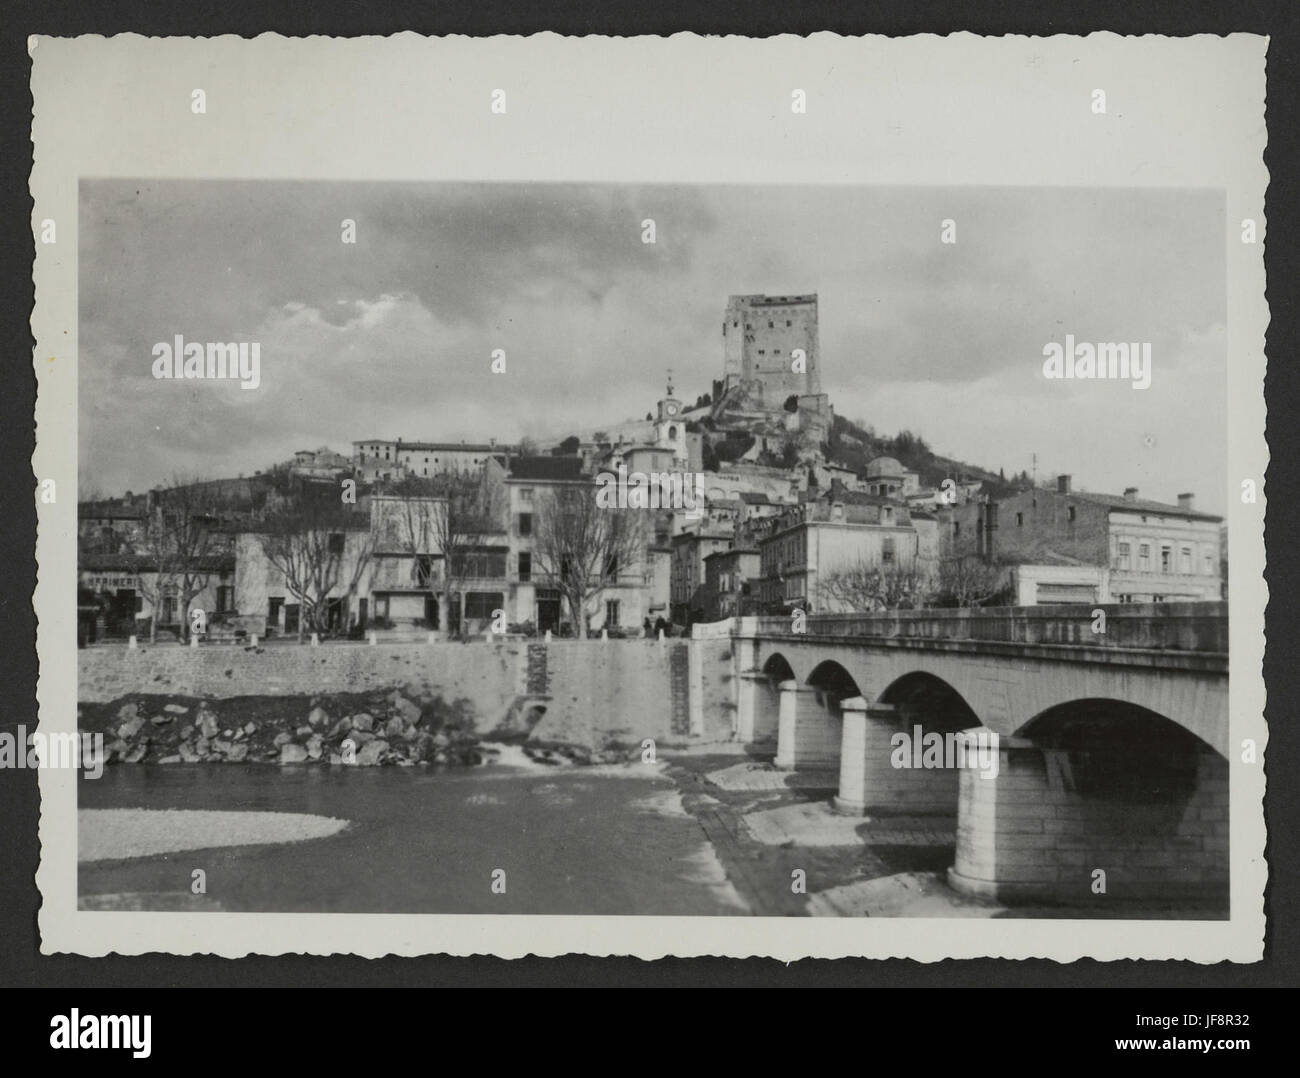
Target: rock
{"points": [[227, 734], [250, 727], [292, 754], [237, 754], [222, 748], [422, 748], [335, 758], [395, 727], [315, 745], [130, 728], [188, 753], [208, 725], [127, 712], [364, 721], [317, 717], [282, 739], [341, 727], [360, 737], [303, 731], [203, 746], [371, 752], [136, 754], [240, 735], [407, 710], [170, 760], [177, 709], [187, 731], [162, 720]]}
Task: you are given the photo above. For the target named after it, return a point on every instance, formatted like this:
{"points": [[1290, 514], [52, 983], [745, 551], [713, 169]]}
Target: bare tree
{"points": [[866, 584], [183, 539], [322, 552], [967, 580], [454, 513], [584, 547]]}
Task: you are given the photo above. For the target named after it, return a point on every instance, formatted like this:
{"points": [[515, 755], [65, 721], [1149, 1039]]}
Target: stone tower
{"points": [[762, 337]]}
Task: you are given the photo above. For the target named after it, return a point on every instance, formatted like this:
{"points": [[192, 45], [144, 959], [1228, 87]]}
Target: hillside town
{"points": [[799, 510]]}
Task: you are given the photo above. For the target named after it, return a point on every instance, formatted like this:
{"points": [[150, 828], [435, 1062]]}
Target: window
{"points": [[1166, 558], [525, 524], [1144, 557], [1209, 563], [1020, 520], [526, 495], [225, 598], [424, 573], [525, 566], [887, 513], [787, 323], [336, 543], [273, 611], [1069, 514], [1122, 562], [1185, 560], [611, 613], [1157, 598], [887, 550], [956, 528]]}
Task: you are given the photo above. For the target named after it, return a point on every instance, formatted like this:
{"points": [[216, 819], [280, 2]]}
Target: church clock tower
{"points": [[670, 428]]}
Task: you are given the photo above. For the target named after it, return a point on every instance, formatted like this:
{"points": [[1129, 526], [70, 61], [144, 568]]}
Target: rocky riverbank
{"points": [[364, 729]]}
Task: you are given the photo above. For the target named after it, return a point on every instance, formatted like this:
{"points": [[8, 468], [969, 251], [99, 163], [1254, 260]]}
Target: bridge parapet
{"points": [[1188, 627]]}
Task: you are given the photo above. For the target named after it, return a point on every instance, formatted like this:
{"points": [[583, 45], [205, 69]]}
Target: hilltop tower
{"points": [[760, 336]]}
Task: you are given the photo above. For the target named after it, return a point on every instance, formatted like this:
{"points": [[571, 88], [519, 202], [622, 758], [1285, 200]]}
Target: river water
{"points": [[571, 840]]}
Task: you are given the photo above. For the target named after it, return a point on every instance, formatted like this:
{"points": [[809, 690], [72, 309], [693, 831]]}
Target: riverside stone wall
{"points": [[593, 691]]}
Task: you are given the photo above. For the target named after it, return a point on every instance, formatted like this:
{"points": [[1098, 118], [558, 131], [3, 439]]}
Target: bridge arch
{"points": [[1100, 784], [833, 681], [920, 734]]}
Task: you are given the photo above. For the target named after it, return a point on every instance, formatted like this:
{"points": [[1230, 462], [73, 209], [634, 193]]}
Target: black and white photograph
{"points": [[744, 546]]}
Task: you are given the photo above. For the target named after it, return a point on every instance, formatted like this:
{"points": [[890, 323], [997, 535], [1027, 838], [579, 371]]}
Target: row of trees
{"points": [[865, 585], [321, 542]]}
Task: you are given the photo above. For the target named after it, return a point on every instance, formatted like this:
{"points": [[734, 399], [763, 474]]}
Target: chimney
{"points": [[990, 526], [1131, 494], [1187, 502], [1063, 484]]}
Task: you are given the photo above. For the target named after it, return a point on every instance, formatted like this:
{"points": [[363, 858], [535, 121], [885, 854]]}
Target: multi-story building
{"points": [[730, 583], [803, 549], [376, 458], [1148, 551], [690, 548]]}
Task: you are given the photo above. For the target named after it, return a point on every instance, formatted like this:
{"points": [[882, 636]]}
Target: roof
{"points": [[1138, 505], [750, 497], [143, 563], [553, 468], [92, 511], [884, 466], [732, 550], [447, 447]]}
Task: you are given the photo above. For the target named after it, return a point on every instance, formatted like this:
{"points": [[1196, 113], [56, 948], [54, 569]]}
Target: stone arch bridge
{"points": [[1066, 739]]}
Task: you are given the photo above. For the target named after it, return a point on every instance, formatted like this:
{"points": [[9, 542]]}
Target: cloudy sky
{"points": [[393, 335]]}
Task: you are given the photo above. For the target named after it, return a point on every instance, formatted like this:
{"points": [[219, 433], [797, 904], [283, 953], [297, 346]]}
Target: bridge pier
{"points": [[877, 773], [758, 711], [1039, 831], [808, 731]]}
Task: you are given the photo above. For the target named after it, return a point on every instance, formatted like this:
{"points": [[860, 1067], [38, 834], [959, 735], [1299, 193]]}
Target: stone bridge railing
{"points": [[1200, 627]]}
